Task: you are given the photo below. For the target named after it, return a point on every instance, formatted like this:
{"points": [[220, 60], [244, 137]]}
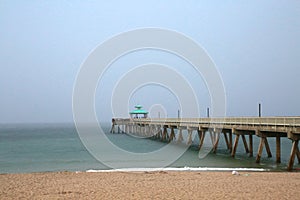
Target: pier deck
{"points": [[263, 127]]}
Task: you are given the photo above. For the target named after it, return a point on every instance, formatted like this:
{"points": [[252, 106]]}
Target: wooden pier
{"points": [[240, 127]]}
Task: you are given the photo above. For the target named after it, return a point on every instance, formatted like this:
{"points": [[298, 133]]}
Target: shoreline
{"points": [[151, 185], [167, 169]]}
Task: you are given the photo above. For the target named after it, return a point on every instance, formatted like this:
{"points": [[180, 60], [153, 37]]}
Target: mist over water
{"points": [[57, 147]]}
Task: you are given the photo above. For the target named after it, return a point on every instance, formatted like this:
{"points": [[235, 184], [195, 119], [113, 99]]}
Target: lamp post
{"points": [[207, 112]]}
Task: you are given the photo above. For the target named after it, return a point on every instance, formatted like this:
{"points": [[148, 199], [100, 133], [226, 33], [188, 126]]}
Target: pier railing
{"points": [[283, 122]]}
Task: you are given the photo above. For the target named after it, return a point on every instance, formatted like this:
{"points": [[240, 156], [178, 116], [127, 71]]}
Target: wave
{"points": [[179, 169]]}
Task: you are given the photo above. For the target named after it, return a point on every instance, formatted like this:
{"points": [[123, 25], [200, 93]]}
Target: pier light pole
{"points": [[259, 110], [207, 112]]}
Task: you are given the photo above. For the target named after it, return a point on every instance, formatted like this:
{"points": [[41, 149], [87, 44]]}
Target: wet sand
{"points": [[150, 185]]}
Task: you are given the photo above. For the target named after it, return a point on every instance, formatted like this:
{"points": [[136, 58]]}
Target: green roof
{"points": [[138, 106], [138, 110]]}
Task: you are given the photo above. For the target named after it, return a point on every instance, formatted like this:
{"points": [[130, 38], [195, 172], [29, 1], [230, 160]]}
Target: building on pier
{"points": [[138, 112]]}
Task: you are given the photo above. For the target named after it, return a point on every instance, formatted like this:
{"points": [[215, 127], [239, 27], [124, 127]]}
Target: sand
{"points": [[150, 185]]}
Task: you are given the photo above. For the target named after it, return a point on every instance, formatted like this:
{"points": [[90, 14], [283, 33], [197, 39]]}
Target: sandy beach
{"points": [[150, 185]]}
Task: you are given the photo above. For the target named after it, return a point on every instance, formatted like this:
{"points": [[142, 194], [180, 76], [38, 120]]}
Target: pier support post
{"points": [[216, 142], [113, 122], [147, 131], [298, 154], [260, 148], [268, 148], [156, 134], [154, 131], [212, 137], [245, 143], [226, 140], [172, 135], [236, 141], [150, 133], [165, 134], [294, 151], [142, 131], [159, 133], [180, 137], [189, 140], [112, 130], [202, 139], [278, 158], [201, 134], [250, 145], [230, 140], [131, 128]]}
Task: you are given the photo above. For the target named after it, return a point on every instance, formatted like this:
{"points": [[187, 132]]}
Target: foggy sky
{"points": [[255, 46]]}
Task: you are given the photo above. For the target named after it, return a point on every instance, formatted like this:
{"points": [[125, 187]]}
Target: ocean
{"points": [[57, 147]]}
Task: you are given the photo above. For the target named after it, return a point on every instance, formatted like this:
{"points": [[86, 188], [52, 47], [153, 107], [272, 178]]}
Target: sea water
{"points": [[57, 147]]}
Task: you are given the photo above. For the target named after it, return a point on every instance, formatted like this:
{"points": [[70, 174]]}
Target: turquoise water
{"points": [[57, 147]]}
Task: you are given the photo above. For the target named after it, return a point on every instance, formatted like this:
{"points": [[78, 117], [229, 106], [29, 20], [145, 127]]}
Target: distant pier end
{"points": [[138, 112]]}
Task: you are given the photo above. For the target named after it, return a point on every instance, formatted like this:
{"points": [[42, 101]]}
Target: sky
{"points": [[255, 46]]}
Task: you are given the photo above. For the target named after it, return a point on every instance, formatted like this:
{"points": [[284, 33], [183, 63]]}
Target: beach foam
{"points": [[179, 169]]}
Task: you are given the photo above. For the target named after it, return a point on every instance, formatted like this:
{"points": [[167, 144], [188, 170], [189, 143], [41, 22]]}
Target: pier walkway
{"points": [[240, 127]]}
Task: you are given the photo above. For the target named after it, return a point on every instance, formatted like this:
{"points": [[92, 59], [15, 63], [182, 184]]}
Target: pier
{"points": [[232, 128]]}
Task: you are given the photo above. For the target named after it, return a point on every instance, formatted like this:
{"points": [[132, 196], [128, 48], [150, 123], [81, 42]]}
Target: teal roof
{"points": [[138, 106], [138, 110]]}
